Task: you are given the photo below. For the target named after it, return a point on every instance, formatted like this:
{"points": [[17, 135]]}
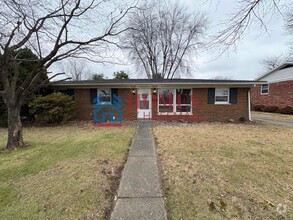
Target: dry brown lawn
{"points": [[227, 171], [272, 115]]}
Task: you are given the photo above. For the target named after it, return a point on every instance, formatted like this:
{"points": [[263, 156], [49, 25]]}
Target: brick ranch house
{"points": [[277, 91], [190, 100]]}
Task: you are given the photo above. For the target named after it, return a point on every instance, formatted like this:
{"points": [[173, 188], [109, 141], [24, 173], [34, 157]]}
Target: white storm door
{"points": [[144, 104]]}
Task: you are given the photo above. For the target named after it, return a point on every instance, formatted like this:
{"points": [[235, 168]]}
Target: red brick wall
{"points": [[129, 107], [83, 106], [201, 110], [84, 109], [280, 95]]}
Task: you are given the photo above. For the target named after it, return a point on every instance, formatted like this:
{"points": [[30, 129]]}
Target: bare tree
{"points": [[221, 77], [289, 27], [273, 62], [54, 30], [162, 39], [76, 69], [250, 14]]}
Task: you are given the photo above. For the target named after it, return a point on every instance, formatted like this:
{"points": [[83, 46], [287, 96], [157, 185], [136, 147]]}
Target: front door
{"points": [[144, 102]]}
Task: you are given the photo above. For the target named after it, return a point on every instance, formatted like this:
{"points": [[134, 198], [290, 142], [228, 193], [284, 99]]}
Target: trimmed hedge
{"points": [[259, 108], [53, 108], [287, 110], [274, 109]]}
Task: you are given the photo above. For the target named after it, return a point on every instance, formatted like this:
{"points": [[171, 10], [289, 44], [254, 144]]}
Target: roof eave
{"points": [[156, 85]]}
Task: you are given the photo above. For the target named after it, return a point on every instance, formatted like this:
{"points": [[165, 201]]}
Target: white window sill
{"points": [[104, 103], [222, 103], [175, 113], [264, 93]]}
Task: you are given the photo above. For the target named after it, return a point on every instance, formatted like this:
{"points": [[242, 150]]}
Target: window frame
{"points": [[261, 89], [222, 102], [165, 104], [104, 103], [174, 104]]}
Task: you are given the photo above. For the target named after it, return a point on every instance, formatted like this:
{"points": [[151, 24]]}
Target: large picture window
{"points": [[174, 101], [104, 95], [221, 95]]}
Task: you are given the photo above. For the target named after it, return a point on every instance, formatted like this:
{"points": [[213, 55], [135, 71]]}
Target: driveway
{"points": [[282, 122]]}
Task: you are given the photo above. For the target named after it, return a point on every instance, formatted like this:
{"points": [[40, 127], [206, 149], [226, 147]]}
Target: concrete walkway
{"points": [[282, 122], [140, 194]]}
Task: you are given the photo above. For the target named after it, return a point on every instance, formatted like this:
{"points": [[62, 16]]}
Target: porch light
{"points": [[133, 91], [155, 91]]}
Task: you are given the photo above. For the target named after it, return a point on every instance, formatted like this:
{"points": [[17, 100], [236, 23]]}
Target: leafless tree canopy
{"points": [[76, 69], [221, 77], [250, 14], [54, 30], [273, 62], [162, 39]]}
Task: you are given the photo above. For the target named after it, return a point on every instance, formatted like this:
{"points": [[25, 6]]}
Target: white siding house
{"points": [[282, 73]]}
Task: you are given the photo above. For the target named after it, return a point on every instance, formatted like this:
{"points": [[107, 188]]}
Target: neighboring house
{"points": [[165, 99], [277, 91]]}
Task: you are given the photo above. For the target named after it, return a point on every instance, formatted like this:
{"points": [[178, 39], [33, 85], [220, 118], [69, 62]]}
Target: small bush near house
{"points": [[242, 119], [53, 108], [271, 109], [287, 110], [274, 109], [259, 108]]}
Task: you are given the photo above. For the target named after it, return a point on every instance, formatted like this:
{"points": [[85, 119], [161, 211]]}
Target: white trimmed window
{"points": [[172, 101], [104, 95], [183, 100], [264, 90], [221, 95], [166, 100]]}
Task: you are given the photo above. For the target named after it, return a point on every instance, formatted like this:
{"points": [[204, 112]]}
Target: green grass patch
{"points": [[67, 172]]}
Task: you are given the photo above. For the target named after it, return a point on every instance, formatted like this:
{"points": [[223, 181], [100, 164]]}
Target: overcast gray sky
{"points": [[240, 63], [244, 62]]}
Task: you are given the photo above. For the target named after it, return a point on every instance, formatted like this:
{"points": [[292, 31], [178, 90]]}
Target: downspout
{"points": [[249, 106]]}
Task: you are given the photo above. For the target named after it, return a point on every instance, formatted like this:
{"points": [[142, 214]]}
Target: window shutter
{"points": [[113, 92], [70, 92], [93, 96], [233, 95], [211, 96]]}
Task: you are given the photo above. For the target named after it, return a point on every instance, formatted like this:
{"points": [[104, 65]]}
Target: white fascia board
{"points": [[163, 85]]}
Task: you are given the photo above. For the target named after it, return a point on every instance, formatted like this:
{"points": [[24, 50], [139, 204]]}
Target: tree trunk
{"points": [[15, 139]]}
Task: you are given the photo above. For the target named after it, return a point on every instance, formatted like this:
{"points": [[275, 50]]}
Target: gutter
{"points": [[156, 85], [249, 106]]}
